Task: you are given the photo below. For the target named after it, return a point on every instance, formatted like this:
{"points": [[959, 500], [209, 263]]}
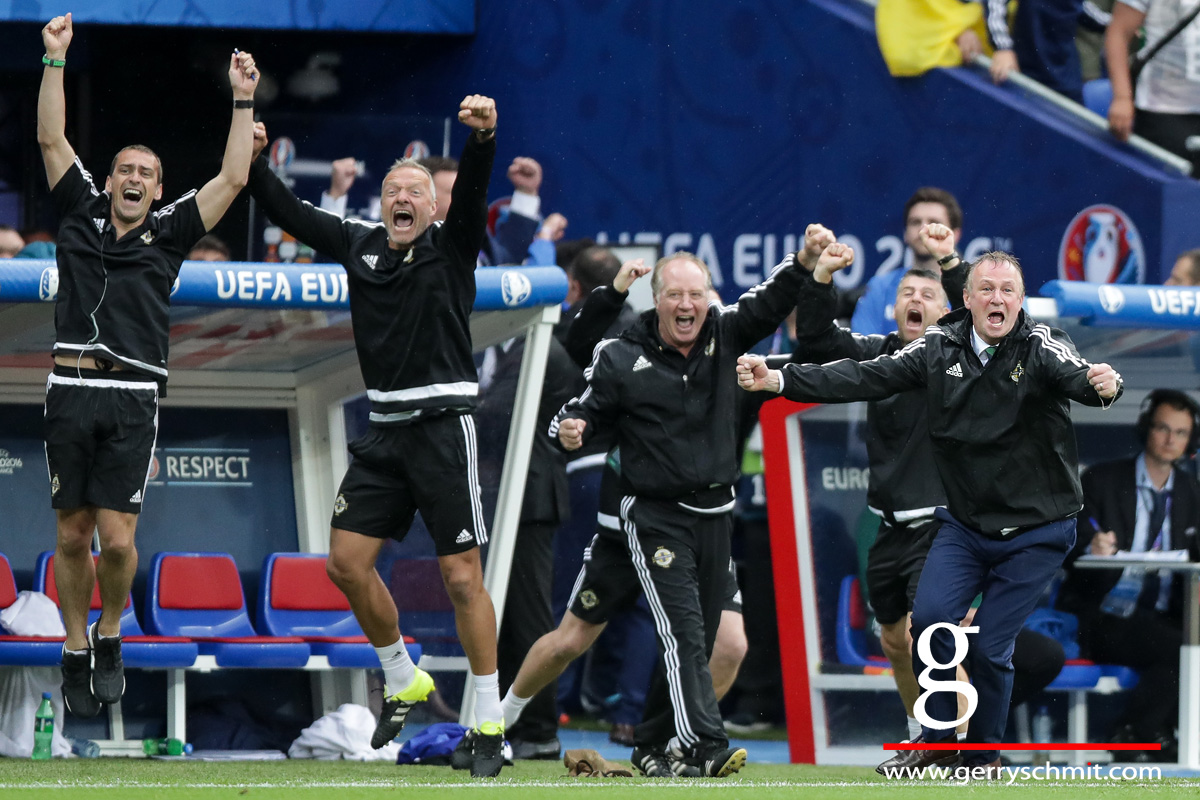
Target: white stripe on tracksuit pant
{"points": [[682, 563]]}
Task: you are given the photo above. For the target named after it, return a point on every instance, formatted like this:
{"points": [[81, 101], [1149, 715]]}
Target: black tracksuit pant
{"points": [[683, 570]]}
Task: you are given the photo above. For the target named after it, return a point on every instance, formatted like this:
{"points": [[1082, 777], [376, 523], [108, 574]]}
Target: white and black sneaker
{"points": [[653, 762], [108, 668]]}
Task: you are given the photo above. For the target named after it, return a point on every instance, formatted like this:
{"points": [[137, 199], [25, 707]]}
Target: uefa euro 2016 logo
{"points": [[925, 679], [48, 285], [1102, 245], [515, 288]]}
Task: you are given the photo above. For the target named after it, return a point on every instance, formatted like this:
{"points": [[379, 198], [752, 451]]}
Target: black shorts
{"points": [[607, 582], [100, 431], [430, 466], [894, 565]]}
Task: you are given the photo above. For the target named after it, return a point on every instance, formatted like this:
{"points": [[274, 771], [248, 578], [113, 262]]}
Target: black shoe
{"points": [[108, 668], [463, 752], [621, 733], [550, 749], [487, 756], [395, 709], [919, 759], [714, 761], [77, 685], [653, 762]]}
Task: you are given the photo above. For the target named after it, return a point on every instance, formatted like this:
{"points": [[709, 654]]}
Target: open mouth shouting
{"points": [[132, 196], [403, 223]]}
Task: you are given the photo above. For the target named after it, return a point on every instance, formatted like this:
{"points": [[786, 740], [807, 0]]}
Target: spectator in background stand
{"points": [[1090, 44], [11, 242], [209, 248], [1186, 271], [917, 35], [1044, 35], [514, 234], [875, 312], [1167, 97], [1130, 616]]}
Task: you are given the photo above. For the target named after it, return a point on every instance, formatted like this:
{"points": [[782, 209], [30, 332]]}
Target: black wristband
{"points": [[243, 104], [484, 133], [944, 260]]}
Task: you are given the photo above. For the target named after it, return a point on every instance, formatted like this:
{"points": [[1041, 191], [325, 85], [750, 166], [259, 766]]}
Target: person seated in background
{"points": [[875, 311], [209, 248], [509, 243], [11, 242], [1186, 270], [1133, 617]]}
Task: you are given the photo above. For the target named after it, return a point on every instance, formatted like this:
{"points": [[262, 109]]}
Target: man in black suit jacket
{"points": [[1135, 505]]}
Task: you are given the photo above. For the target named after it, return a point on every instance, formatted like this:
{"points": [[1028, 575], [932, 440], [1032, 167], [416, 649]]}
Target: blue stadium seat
{"points": [[199, 596], [24, 651], [137, 649], [297, 598]]}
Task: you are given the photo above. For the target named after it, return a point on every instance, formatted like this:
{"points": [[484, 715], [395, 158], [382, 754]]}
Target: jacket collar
{"points": [[957, 326]]}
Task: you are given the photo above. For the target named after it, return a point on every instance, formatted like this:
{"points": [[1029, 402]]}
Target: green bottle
{"points": [[165, 747], [43, 730]]}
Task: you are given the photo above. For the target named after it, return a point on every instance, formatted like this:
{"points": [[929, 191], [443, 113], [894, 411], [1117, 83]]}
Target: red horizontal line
{"points": [[1025, 746]]}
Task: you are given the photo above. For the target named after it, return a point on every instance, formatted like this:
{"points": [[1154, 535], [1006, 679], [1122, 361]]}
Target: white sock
{"points": [[914, 729], [511, 707], [487, 699], [398, 669], [962, 737]]}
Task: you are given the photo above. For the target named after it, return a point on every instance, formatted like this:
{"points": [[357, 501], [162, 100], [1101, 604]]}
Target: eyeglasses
{"points": [[1167, 430]]}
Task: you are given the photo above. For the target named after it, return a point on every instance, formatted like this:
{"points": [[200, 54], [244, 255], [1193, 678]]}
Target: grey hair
{"points": [[656, 275], [412, 163], [1000, 257]]}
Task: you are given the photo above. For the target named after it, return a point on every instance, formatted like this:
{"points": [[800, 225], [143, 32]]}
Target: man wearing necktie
{"points": [[1004, 447], [1133, 617]]}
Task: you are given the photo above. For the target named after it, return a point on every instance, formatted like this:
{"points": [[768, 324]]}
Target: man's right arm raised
{"points": [[321, 230], [57, 153]]}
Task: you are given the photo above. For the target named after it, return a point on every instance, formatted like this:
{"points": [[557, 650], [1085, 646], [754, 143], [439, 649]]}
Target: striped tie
{"points": [[989, 352]]}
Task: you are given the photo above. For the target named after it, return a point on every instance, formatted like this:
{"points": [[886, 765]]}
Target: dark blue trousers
{"points": [[1011, 574]]}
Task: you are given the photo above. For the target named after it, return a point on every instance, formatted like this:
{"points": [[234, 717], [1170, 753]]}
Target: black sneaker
{"points": [[396, 707], [77, 685], [653, 762], [549, 750], [464, 752], [487, 756], [714, 761], [108, 668]]}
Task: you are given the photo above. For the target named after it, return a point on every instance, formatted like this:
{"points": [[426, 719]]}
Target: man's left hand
{"points": [[478, 112], [525, 174], [816, 238], [243, 75], [937, 238], [260, 140], [1105, 380]]}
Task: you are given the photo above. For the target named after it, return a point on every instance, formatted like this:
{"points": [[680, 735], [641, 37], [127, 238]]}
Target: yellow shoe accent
{"points": [[416, 691], [492, 729]]}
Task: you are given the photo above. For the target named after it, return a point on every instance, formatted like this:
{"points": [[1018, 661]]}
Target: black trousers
{"points": [[1149, 642], [1170, 132], [684, 572], [527, 617], [1036, 661]]}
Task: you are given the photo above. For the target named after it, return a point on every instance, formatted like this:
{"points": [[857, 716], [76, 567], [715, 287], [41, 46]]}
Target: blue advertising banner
{"points": [[1104, 305], [221, 480], [407, 16], [271, 285]]}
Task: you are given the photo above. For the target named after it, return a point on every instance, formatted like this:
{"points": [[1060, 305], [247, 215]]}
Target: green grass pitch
{"points": [[141, 779]]}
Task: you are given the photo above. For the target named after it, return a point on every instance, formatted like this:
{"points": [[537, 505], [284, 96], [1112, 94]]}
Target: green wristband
{"points": [[53, 62]]}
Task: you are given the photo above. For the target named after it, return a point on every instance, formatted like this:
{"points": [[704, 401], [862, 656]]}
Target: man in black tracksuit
{"points": [[904, 488], [412, 288], [117, 261], [668, 390], [998, 388]]}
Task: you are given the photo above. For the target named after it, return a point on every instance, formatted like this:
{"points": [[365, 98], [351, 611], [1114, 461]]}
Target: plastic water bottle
{"points": [[1042, 734], [43, 730], [165, 747], [1122, 599], [84, 748]]}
